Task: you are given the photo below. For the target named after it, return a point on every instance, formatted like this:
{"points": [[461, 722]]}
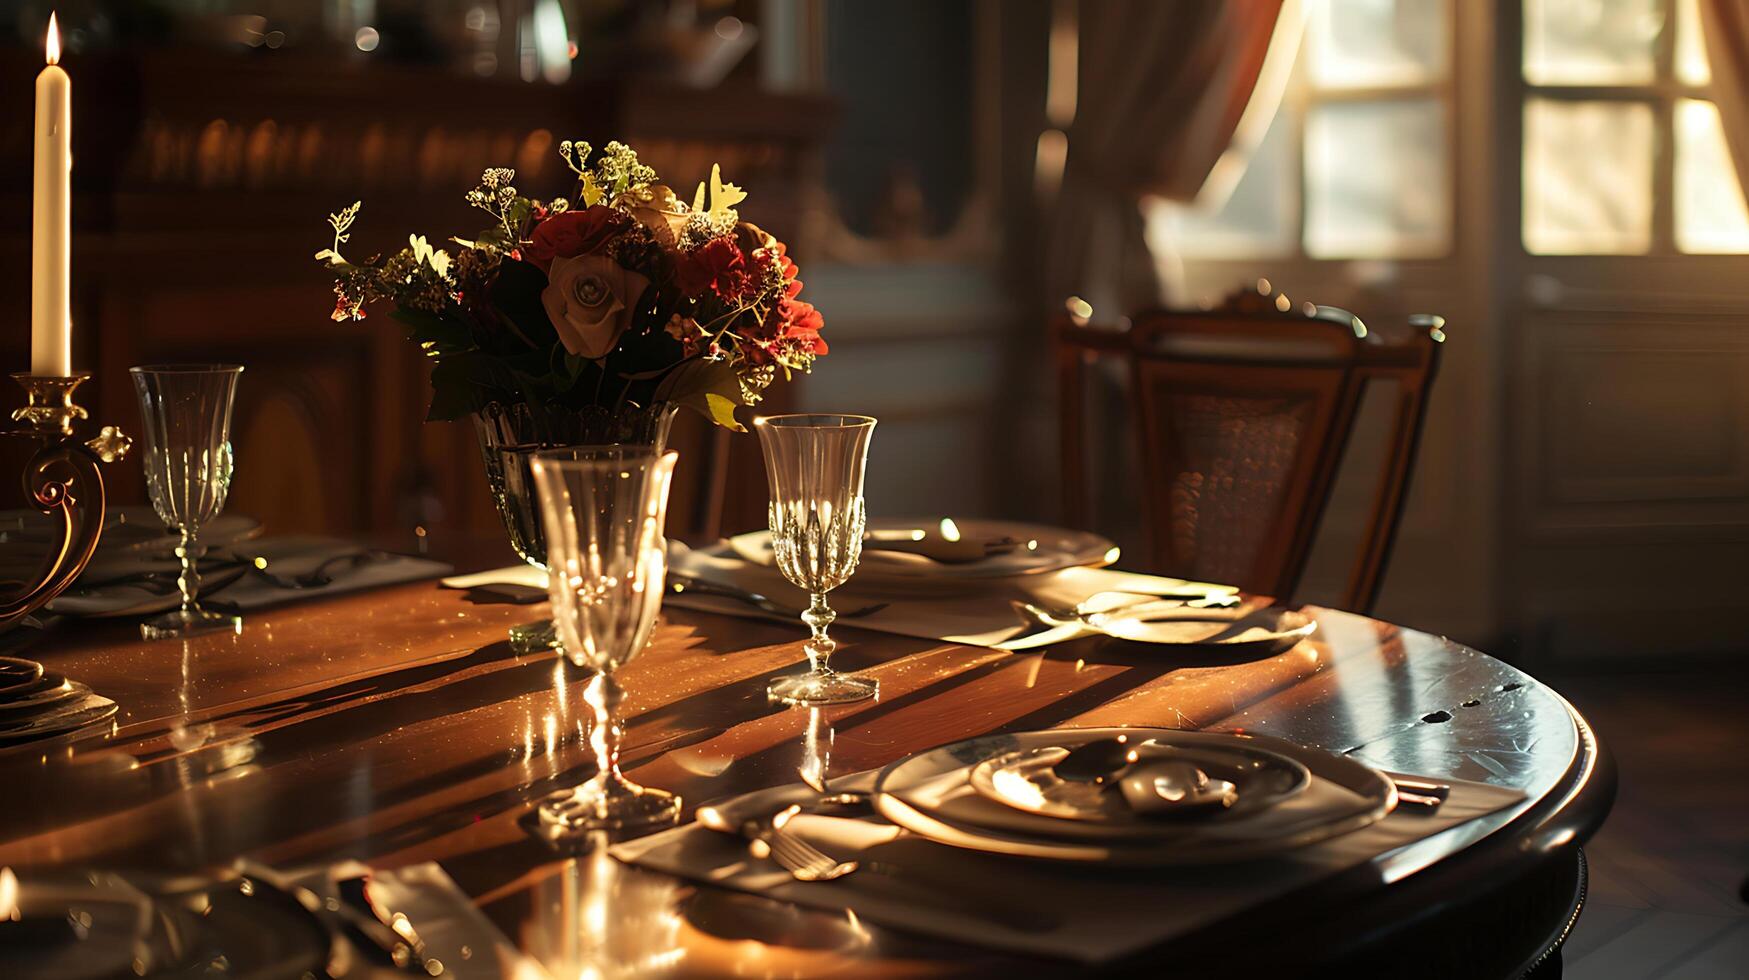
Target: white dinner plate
{"points": [[1039, 549], [930, 794], [131, 528]]}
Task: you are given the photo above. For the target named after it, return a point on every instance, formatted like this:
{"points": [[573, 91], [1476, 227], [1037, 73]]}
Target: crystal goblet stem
{"points": [[819, 617], [188, 576]]}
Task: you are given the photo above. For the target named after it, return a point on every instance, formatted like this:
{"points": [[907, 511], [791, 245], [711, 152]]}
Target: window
{"points": [[1356, 162], [1606, 85]]}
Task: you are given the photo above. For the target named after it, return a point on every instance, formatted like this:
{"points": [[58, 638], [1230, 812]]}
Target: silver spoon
{"points": [[1148, 608], [1097, 761]]}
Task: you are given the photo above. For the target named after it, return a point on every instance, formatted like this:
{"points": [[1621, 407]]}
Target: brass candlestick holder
{"points": [[63, 480]]}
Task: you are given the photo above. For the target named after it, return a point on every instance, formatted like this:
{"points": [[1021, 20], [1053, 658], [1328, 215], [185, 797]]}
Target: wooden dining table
{"points": [[398, 726]]}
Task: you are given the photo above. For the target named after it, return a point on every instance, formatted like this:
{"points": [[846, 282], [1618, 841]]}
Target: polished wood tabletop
{"points": [[398, 726]]}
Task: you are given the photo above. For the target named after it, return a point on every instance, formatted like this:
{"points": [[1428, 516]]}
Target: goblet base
{"points": [[183, 623], [596, 805], [822, 687], [534, 637]]}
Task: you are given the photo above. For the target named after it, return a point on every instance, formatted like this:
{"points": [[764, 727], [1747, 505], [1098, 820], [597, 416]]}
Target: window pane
{"points": [[1587, 177], [1378, 42], [1376, 182], [1692, 67], [1591, 42], [1710, 215], [1257, 218]]}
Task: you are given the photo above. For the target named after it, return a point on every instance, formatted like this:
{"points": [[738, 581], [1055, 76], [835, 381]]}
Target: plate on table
{"points": [[242, 927], [1266, 627], [1024, 780], [930, 794], [1014, 549], [131, 528], [98, 925], [138, 596], [114, 923], [1243, 630]]}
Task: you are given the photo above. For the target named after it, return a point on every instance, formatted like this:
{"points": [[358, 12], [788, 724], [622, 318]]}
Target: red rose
{"points": [[718, 267], [573, 233]]}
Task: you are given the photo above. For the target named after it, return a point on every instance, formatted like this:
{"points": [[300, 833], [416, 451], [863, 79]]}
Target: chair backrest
{"points": [[1242, 416]]}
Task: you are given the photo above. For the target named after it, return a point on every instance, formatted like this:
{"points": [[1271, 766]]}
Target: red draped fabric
{"points": [[1161, 85], [1726, 26]]}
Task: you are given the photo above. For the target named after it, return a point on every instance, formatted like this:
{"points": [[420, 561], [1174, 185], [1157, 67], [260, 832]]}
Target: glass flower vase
{"points": [[509, 436]]}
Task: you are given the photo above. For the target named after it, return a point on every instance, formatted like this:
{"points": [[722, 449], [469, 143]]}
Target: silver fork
{"points": [[804, 861]]}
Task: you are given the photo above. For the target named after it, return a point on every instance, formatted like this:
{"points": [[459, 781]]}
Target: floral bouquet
{"points": [[620, 298]]}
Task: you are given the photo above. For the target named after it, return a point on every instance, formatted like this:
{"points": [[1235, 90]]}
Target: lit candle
{"points": [[51, 319]]}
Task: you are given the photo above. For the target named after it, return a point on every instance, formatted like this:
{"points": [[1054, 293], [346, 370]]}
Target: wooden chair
{"points": [[1242, 416]]}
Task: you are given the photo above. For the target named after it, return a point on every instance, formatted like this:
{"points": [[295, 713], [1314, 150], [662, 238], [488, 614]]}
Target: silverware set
{"points": [[680, 584], [385, 937], [767, 838], [1420, 793], [1152, 607]]}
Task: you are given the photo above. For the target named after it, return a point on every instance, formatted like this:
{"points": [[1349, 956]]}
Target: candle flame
{"points": [[53, 43]]}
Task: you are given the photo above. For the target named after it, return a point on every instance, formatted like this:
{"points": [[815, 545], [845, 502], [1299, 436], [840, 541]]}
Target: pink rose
{"points": [[589, 298]]}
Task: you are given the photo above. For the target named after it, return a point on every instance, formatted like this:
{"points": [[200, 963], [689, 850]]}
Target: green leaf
{"points": [[454, 389], [516, 294], [722, 411], [437, 333], [495, 237], [710, 388]]}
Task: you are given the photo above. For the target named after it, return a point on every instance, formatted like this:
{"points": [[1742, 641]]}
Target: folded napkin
{"points": [[227, 582], [527, 575], [1089, 913]]}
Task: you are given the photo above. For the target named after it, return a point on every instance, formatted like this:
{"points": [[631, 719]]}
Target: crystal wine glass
{"points": [[603, 509], [815, 466], [186, 411]]}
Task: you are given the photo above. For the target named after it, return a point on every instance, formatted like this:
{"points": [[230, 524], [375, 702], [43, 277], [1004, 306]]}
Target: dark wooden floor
{"points": [[1669, 867]]}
